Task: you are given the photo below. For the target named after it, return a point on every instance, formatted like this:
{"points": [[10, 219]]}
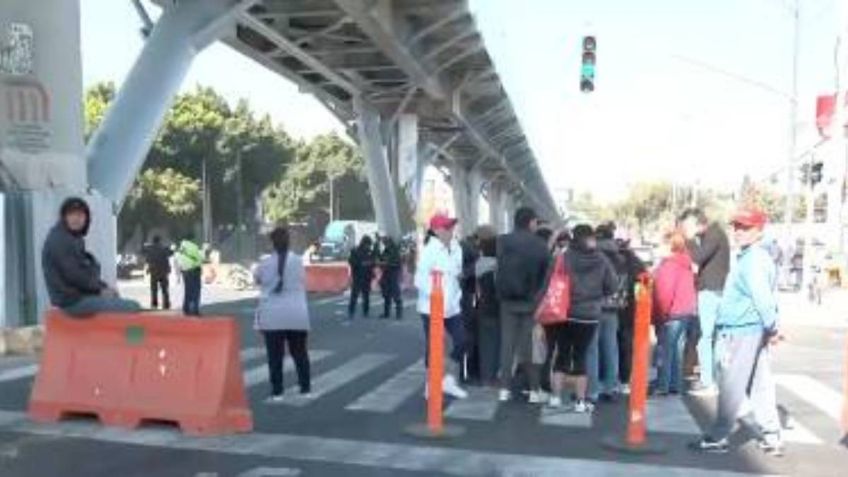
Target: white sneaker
{"points": [[536, 397], [583, 406], [555, 402], [504, 395], [625, 389], [276, 399], [452, 388]]}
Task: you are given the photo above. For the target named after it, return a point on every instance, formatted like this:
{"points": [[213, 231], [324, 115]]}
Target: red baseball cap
{"points": [[750, 217], [441, 221]]}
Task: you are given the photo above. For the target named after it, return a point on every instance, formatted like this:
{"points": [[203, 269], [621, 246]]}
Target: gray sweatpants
{"points": [[516, 342], [744, 372]]}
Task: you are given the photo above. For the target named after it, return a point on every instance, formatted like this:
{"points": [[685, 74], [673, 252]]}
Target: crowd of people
{"points": [[713, 323]]}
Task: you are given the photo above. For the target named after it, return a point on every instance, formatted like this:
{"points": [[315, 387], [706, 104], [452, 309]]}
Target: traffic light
{"points": [[811, 173], [587, 69], [816, 172]]}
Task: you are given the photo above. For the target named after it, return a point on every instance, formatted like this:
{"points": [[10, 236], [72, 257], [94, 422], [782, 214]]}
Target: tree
{"points": [[304, 189], [95, 103], [159, 198]]}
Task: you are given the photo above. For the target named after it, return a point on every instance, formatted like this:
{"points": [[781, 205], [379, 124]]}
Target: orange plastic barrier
{"points": [[327, 278], [845, 400], [126, 369]]}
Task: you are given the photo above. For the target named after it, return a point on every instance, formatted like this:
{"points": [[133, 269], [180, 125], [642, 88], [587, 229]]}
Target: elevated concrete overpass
{"points": [[410, 79]]}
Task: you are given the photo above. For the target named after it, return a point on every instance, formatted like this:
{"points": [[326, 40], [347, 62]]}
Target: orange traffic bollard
{"points": [[435, 398], [635, 439], [435, 426]]}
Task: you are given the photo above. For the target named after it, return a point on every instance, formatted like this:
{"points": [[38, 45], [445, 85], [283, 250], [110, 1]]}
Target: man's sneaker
{"points": [[583, 406], [452, 388], [555, 402], [771, 444], [704, 391], [710, 445], [536, 397], [275, 399], [504, 395], [625, 389]]}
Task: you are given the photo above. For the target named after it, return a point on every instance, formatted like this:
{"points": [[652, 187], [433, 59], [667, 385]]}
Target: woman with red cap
{"points": [[442, 254]]}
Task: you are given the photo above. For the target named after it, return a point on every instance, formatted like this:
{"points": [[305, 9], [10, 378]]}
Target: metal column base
{"points": [[422, 431], [618, 443]]}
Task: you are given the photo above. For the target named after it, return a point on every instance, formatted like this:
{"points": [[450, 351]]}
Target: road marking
{"points": [[259, 374], [481, 405], [798, 434], [402, 457], [338, 377], [18, 373], [671, 415], [391, 394], [330, 300], [565, 418], [271, 472], [250, 354], [813, 392]]}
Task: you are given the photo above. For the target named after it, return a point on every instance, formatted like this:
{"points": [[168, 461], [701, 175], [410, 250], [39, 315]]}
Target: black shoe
{"points": [[608, 398], [710, 446]]}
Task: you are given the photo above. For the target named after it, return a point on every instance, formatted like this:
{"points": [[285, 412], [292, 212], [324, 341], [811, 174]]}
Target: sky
{"points": [[659, 111]]}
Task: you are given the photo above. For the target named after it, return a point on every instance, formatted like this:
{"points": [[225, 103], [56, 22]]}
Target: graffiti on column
{"points": [[25, 102]]}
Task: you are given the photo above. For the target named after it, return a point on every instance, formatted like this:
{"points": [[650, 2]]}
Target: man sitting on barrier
{"points": [[72, 274]]}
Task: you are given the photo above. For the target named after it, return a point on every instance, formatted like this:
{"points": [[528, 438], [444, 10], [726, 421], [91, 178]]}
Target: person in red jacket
{"points": [[675, 305]]}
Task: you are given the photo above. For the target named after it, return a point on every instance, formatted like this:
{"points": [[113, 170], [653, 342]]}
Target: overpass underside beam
{"points": [[121, 143]]}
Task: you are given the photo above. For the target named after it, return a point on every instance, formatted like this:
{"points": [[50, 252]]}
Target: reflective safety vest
{"points": [[189, 256]]}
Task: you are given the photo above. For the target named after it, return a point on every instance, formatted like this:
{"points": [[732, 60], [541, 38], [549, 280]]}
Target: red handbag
{"points": [[556, 302]]}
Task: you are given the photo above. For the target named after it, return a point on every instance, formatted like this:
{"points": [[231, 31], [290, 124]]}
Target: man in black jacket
{"points": [[72, 275], [158, 267], [522, 269], [710, 250]]}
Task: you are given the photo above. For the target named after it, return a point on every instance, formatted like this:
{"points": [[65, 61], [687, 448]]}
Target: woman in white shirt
{"points": [[283, 315], [443, 254]]}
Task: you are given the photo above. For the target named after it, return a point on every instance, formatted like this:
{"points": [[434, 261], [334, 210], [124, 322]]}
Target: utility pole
{"points": [[793, 123], [239, 206], [840, 116], [207, 215], [332, 204]]}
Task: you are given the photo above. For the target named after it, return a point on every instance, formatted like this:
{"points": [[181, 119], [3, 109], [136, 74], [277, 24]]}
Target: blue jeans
{"points": [[191, 298], [94, 304], [455, 328], [670, 374], [602, 355], [708, 305]]}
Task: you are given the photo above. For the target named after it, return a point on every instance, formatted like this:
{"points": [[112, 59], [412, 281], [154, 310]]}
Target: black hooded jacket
{"points": [[593, 280], [70, 272]]}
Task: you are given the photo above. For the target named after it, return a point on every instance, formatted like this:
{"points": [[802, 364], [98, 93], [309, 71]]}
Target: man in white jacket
{"points": [[443, 254]]}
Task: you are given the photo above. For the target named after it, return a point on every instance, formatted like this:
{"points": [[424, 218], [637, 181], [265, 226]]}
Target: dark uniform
{"points": [[159, 267], [362, 273], [390, 277]]}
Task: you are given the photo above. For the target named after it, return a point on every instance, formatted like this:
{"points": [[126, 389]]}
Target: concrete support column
{"points": [[511, 205], [410, 164], [466, 183], [377, 166], [497, 213], [119, 146]]}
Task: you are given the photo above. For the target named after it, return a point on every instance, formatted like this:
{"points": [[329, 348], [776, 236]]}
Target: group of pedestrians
{"points": [[370, 255], [505, 346]]}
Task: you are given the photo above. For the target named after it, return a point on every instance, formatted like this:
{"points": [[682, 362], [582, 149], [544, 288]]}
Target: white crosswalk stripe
{"points": [[814, 392], [18, 373], [564, 418], [338, 377], [388, 396], [259, 374], [481, 405]]}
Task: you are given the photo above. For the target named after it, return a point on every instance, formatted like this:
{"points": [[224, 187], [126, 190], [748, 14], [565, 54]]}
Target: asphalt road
{"points": [[368, 383]]}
